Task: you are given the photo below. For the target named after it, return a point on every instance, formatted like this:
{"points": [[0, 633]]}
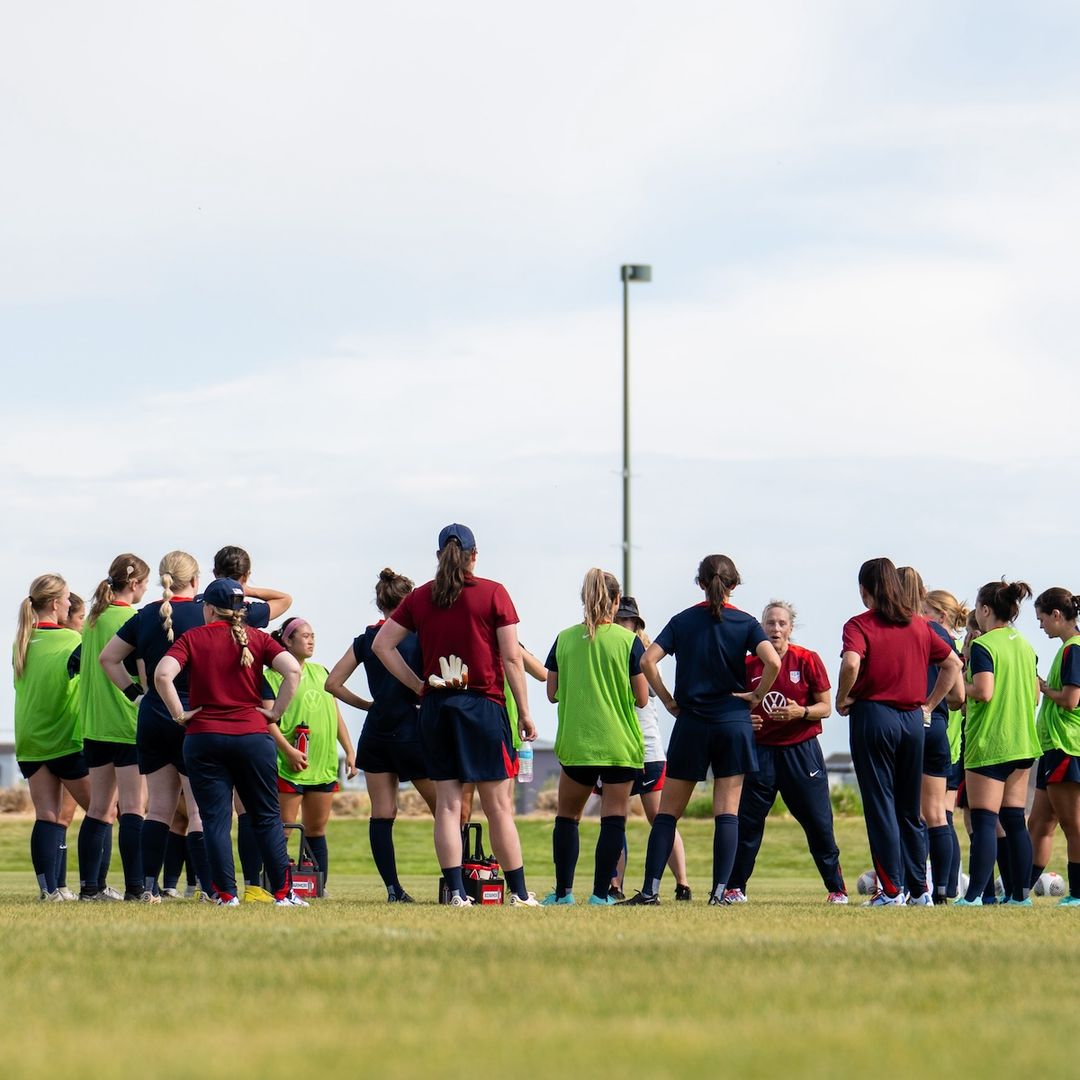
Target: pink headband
{"points": [[290, 626]]}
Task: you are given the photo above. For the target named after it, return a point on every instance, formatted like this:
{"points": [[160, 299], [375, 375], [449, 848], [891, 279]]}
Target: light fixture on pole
{"points": [[628, 273]]}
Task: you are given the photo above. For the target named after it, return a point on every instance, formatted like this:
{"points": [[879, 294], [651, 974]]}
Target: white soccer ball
{"points": [[867, 883], [1050, 884]]}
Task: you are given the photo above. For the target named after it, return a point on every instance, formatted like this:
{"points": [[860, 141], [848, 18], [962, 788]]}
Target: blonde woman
{"points": [[147, 636], [48, 735], [595, 677], [110, 720], [227, 743]]}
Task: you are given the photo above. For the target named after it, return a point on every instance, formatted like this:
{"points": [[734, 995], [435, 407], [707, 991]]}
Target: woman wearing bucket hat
{"points": [[467, 628], [651, 784], [227, 743]]}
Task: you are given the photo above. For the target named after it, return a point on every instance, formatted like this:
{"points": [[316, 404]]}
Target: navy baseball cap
{"points": [[224, 593], [461, 533]]}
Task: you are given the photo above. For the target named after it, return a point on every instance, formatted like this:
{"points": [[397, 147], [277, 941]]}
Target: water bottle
{"points": [[300, 740], [525, 764]]}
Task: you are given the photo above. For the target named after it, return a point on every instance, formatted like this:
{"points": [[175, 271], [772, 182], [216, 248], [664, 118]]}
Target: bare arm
{"points": [[345, 740], [533, 666], [553, 686], [335, 682], [653, 655], [947, 672], [112, 659], [955, 697], [981, 687], [287, 666], [819, 707], [164, 677], [510, 651], [298, 762], [850, 665], [640, 685], [385, 647]]}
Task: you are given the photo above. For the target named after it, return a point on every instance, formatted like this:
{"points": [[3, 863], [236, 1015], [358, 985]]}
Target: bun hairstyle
{"points": [[786, 605], [43, 591], [1058, 599], [124, 571], [881, 581], [454, 563], [600, 594], [391, 589], [717, 575], [177, 570], [914, 590], [953, 613], [1004, 598], [232, 562]]}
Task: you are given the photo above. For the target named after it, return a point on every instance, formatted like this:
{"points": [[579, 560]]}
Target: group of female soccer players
{"points": [[185, 709]]}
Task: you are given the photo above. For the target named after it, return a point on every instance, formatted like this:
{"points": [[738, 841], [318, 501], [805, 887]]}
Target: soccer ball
{"points": [[867, 883], [1050, 884]]}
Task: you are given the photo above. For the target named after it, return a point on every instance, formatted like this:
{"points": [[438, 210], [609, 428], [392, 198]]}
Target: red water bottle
{"points": [[300, 740]]}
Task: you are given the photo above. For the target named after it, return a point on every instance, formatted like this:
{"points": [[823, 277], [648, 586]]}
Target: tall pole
{"points": [[628, 273], [626, 432]]}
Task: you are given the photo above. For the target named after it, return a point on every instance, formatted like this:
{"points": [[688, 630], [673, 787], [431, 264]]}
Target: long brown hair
{"points": [[454, 563], [717, 575], [43, 591], [599, 596], [911, 583], [1058, 599], [881, 581], [123, 571]]}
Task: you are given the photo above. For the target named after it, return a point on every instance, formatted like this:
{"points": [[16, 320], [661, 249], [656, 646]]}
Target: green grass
{"points": [[782, 985]]}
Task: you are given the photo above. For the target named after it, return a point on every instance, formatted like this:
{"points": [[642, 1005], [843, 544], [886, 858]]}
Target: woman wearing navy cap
{"points": [[467, 628], [887, 652], [389, 749], [711, 706], [227, 743]]}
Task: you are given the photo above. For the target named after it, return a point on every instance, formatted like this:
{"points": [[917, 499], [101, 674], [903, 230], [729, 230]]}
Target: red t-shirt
{"points": [[894, 659], [466, 629], [228, 693], [802, 676]]}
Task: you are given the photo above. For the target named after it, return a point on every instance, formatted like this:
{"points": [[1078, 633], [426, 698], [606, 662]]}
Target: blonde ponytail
{"points": [[43, 591], [599, 596], [239, 633], [178, 568]]}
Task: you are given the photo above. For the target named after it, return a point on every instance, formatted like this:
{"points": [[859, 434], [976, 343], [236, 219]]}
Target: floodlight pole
{"points": [[628, 273]]}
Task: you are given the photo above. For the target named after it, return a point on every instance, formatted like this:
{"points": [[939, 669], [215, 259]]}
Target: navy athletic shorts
{"points": [[287, 787], [937, 754], [67, 767], [1003, 770], [956, 776], [594, 776], [698, 745], [394, 749], [159, 741], [466, 737], [1057, 767], [119, 754]]}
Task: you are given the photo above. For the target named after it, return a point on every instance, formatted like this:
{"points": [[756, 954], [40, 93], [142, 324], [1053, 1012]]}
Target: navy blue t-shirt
{"points": [[981, 660], [145, 633], [392, 701], [1070, 666], [256, 612], [710, 660], [934, 669], [637, 651]]}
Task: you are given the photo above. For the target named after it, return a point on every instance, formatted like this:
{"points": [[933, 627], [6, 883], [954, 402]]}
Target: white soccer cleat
{"points": [[290, 899], [528, 901], [461, 901]]}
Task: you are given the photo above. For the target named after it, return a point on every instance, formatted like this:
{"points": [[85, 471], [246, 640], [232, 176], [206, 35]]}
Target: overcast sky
{"points": [[317, 280]]}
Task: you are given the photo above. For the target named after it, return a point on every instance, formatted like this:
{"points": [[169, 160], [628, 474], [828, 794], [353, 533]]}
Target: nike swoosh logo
{"points": [[648, 783], [814, 773]]}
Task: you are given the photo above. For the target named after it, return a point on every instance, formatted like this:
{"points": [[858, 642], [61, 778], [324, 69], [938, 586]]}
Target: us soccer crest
{"points": [[795, 676]]}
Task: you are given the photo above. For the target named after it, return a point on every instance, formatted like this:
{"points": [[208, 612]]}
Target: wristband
{"points": [[132, 691], [805, 714], [179, 717]]}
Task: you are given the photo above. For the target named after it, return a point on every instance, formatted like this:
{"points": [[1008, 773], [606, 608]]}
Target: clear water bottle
{"points": [[525, 764]]}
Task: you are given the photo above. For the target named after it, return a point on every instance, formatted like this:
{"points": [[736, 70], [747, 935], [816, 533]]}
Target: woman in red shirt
{"points": [[227, 743]]}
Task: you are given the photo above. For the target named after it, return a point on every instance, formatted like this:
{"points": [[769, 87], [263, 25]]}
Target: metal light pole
{"points": [[628, 273]]}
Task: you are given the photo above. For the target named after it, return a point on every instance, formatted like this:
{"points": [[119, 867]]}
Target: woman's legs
{"points": [[984, 799], [673, 800], [131, 792], [383, 792], [1065, 800], [426, 788], [195, 846], [954, 867], [448, 833], [614, 807], [163, 795], [727, 793], [874, 735], [565, 842], [74, 793], [212, 785], [47, 833], [247, 846], [315, 813], [497, 799], [1018, 842], [1042, 824], [252, 760], [96, 830], [939, 833], [677, 862]]}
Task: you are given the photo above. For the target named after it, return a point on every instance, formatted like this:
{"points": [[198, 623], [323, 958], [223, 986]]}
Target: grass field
{"points": [[783, 985]]}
